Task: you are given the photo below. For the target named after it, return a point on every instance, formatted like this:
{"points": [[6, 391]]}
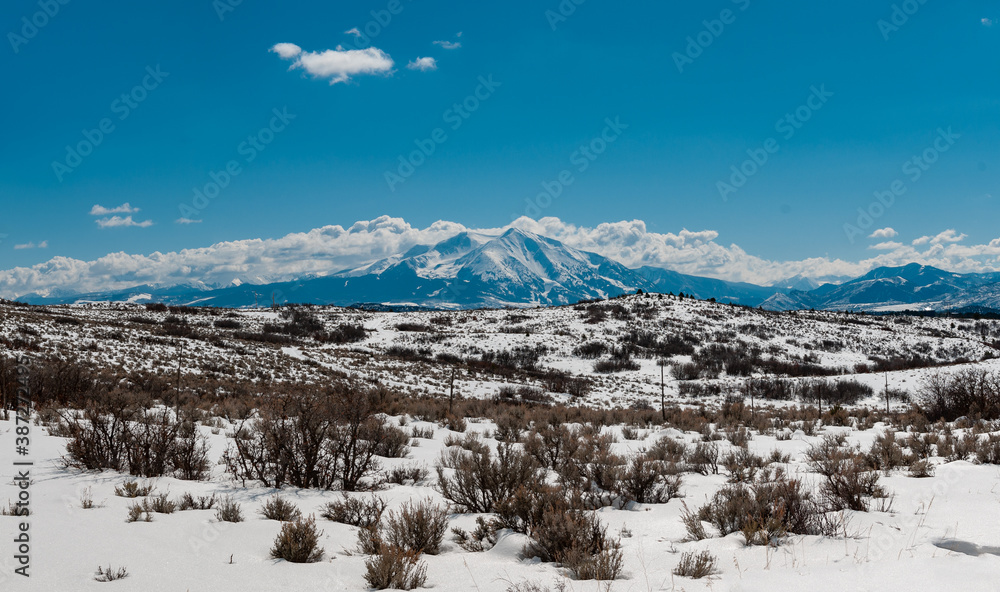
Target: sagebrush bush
{"points": [[742, 465], [988, 450], [203, 502], [393, 443], [355, 511], [704, 458], [577, 540], [764, 511], [408, 474], [648, 481], [133, 488], [312, 439], [110, 574], [298, 542], [418, 527], [886, 454], [479, 481], [696, 565], [278, 508], [229, 510], [138, 511], [483, 538], [850, 482], [395, 568]]}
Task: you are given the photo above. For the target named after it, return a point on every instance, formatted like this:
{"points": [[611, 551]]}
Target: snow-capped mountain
{"points": [[911, 287], [521, 269]]}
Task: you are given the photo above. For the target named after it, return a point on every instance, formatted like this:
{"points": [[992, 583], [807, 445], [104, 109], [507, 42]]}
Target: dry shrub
{"points": [[188, 502], [886, 454], [704, 459], [110, 574], [298, 542], [132, 488], [138, 511], [278, 508], [921, 468], [648, 481], [850, 482], [578, 541], [410, 474], [483, 538], [742, 465], [229, 510], [393, 443], [696, 565], [355, 511], [313, 439], [667, 449], [479, 481], [764, 511], [395, 568], [988, 450], [419, 527]]}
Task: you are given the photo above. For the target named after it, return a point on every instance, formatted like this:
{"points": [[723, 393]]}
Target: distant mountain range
{"points": [[521, 269]]}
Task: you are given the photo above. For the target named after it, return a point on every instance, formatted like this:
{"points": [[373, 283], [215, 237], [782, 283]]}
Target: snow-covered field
{"points": [[939, 532], [192, 550]]}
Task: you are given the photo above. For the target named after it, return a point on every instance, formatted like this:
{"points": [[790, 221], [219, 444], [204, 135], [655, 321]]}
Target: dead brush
{"points": [[110, 574], [355, 511], [764, 511], [132, 488], [280, 509], [696, 565], [298, 542], [850, 481], [419, 527], [395, 568]]}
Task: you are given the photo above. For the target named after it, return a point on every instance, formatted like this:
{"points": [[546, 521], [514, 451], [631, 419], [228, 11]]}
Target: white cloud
{"points": [[334, 248], [987, 22], [186, 221], [887, 232], [125, 208], [887, 246], [449, 44], [118, 221], [337, 65], [31, 245], [423, 64], [355, 31], [948, 236], [287, 51]]}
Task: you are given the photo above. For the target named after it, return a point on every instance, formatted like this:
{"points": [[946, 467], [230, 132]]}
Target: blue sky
{"points": [[888, 93]]}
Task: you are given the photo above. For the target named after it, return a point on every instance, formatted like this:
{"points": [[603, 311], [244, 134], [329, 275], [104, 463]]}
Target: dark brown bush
{"points": [[356, 511], [477, 482], [298, 542]]}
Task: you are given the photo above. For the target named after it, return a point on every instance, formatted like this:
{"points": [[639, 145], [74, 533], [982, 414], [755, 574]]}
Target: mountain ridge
{"points": [[523, 269]]}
